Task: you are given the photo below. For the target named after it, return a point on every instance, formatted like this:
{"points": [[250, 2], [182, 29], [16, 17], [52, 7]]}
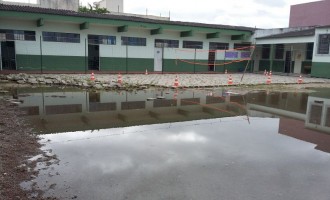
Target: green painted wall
{"points": [[278, 65], [28, 62], [173, 65], [306, 67], [50, 63], [59, 63], [321, 70], [264, 65], [133, 64], [76, 63]]}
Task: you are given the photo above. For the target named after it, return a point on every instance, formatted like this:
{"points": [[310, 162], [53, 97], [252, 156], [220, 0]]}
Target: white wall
{"points": [[118, 50]]}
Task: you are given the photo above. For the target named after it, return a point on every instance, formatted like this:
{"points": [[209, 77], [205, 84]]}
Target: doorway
{"points": [[158, 60], [93, 57], [211, 62], [8, 55], [288, 62]]}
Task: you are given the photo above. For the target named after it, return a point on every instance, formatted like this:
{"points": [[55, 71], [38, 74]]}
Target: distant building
{"points": [[112, 5], [54, 4], [303, 48], [310, 14]]}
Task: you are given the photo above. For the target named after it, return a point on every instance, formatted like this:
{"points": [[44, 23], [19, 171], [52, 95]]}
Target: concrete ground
{"points": [[204, 80]]}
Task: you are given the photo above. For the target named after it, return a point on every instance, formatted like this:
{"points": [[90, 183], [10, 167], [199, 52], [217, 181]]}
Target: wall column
{"points": [[271, 57]]}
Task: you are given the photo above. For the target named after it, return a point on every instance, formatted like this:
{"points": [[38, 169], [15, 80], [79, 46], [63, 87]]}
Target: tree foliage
{"points": [[93, 9]]}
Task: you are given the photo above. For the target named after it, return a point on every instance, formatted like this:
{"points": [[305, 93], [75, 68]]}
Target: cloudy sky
{"points": [[259, 13], [251, 13]]}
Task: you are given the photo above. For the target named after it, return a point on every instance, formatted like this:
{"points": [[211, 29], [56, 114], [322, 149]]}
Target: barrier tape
{"points": [[216, 50], [213, 64]]}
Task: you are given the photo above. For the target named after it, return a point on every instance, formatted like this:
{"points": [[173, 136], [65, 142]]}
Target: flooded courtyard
{"points": [[179, 144]]}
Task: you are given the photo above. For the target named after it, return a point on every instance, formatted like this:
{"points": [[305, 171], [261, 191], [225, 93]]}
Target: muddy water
{"points": [[191, 144]]}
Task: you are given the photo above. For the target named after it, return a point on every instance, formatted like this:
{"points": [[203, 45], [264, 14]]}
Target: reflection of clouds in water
{"points": [[189, 137], [117, 164]]}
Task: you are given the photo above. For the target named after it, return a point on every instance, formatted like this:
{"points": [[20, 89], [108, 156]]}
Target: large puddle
{"points": [[189, 144]]}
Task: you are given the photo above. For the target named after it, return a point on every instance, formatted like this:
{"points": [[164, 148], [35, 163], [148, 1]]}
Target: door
{"points": [[93, 57], [288, 62], [8, 55], [211, 60], [158, 61]]}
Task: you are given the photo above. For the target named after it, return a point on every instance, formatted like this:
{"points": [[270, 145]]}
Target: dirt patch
{"points": [[17, 144]]}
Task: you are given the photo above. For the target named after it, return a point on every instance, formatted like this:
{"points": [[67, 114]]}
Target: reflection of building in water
{"points": [[318, 114], [304, 116], [296, 128], [55, 110]]}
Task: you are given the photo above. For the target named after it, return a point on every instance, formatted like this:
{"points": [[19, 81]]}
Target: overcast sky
{"points": [[251, 13]]}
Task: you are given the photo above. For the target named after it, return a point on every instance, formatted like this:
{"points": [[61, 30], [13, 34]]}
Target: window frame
{"points": [[22, 35], [241, 46], [188, 44], [48, 36], [321, 50], [133, 41], [166, 43], [101, 39], [218, 46]]}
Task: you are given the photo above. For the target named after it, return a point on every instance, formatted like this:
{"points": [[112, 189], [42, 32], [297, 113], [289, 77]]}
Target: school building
{"points": [[44, 39]]}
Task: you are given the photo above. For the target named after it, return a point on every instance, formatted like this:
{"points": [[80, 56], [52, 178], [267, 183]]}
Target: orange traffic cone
{"points": [[230, 80], [92, 76], [175, 95], [300, 80], [146, 73], [119, 78], [176, 82], [269, 80]]}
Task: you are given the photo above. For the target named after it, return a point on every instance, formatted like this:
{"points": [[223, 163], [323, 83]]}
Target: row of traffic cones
{"points": [[119, 76], [176, 81]]}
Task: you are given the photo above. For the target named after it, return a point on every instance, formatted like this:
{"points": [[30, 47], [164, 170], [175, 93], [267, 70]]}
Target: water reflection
{"points": [[203, 159], [84, 110], [53, 110], [190, 144]]}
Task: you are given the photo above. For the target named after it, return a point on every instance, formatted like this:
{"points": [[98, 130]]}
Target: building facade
{"points": [[38, 39], [310, 14], [35, 39]]}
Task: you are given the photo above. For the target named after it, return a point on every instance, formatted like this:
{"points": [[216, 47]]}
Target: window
{"points": [[219, 46], [324, 41], [17, 35], [192, 45], [279, 51], [102, 39], [167, 43], [133, 41], [61, 37], [265, 52], [309, 51], [30, 35], [242, 46]]}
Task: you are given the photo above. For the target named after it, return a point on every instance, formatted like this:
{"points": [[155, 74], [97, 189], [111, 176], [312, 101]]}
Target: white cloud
{"points": [[251, 13]]}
